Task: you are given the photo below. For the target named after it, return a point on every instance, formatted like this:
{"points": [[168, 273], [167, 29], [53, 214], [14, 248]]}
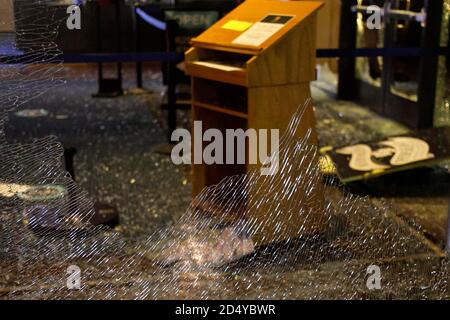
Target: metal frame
{"points": [[347, 40], [172, 76], [417, 115], [447, 247], [109, 87]]}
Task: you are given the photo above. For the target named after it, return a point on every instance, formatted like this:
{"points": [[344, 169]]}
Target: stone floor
{"points": [[143, 181], [117, 161]]}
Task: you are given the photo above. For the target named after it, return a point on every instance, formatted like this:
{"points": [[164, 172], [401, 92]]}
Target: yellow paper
{"points": [[237, 25]]}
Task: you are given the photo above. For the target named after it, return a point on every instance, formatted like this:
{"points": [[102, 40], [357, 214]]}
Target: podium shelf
{"points": [[220, 109], [229, 67], [222, 95]]}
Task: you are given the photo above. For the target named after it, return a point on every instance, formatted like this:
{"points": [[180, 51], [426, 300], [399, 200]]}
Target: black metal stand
{"points": [[447, 247], [137, 29], [104, 214], [347, 40], [415, 114], [171, 32], [69, 155], [108, 88], [448, 54]]}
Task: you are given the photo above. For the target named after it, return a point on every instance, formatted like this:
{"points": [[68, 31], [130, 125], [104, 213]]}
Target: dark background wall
{"points": [[99, 30], [6, 16]]}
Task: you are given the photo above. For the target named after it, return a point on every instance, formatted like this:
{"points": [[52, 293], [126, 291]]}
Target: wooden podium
{"points": [[252, 69]]}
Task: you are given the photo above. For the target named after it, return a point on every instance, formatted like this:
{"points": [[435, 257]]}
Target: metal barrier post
{"points": [[447, 247], [137, 26], [171, 32], [347, 40]]}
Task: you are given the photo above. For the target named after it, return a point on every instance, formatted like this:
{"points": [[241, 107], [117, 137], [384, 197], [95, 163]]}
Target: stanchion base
{"points": [[138, 91], [109, 88], [164, 148], [105, 215]]}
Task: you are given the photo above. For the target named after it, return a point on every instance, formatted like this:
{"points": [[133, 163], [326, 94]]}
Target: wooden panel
{"points": [[207, 175], [328, 21], [281, 215], [220, 109], [226, 96], [289, 61], [6, 16], [254, 11], [273, 108]]}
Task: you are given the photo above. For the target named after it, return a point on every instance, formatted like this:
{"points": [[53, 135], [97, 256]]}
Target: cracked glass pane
{"points": [[292, 235]]}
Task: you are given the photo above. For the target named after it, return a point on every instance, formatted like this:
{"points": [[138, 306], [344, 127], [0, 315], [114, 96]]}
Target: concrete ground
{"points": [[117, 160]]}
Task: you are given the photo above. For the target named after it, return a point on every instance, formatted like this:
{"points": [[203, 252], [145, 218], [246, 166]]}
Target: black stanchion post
{"points": [[104, 214], [137, 27], [429, 64], [109, 87], [447, 247], [119, 44], [347, 40], [171, 32], [387, 73], [99, 43], [69, 154], [448, 50]]}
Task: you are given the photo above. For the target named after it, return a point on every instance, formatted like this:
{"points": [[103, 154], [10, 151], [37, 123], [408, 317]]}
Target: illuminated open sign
{"points": [[192, 19]]}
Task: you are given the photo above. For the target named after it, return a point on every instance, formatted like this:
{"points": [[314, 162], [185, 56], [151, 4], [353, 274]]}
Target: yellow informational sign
{"points": [[237, 25]]}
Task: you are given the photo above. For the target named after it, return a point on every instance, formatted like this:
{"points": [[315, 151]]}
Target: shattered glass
{"points": [[292, 235], [442, 113]]}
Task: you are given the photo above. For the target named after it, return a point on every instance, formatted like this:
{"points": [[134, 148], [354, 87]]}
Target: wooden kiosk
{"points": [[252, 69]]}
